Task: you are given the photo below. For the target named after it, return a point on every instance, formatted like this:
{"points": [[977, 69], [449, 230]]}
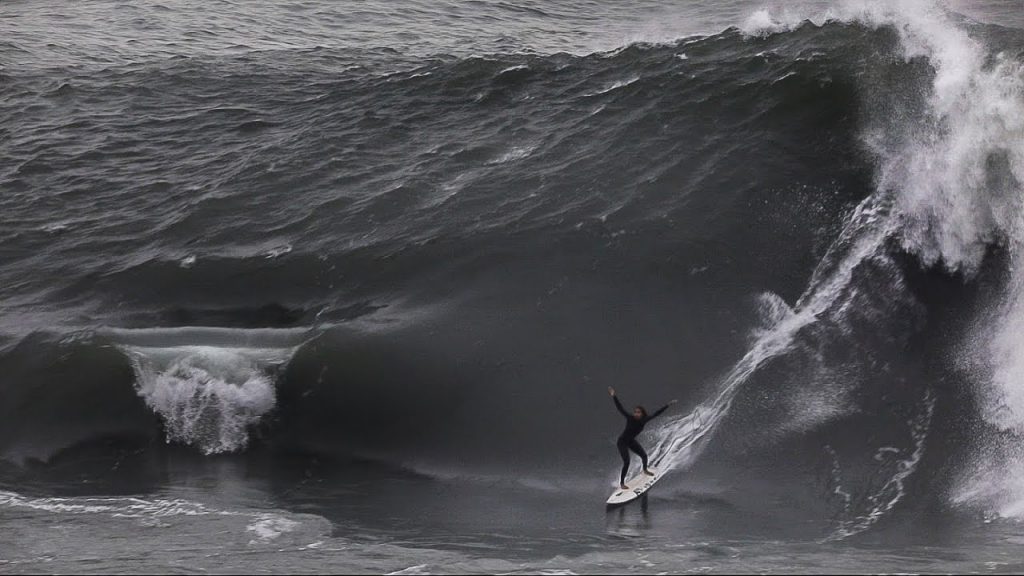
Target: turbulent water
{"points": [[339, 286]]}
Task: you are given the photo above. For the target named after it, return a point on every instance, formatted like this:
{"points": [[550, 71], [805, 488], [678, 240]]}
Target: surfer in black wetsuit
{"points": [[635, 423]]}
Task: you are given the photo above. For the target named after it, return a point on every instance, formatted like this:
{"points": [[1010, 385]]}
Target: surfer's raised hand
{"points": [[611, 391]]}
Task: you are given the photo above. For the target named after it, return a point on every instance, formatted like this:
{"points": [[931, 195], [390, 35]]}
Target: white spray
{"points": [[208, 397]]}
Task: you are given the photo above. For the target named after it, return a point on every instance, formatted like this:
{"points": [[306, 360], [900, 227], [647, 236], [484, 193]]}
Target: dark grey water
{"points": [[334, 286]]}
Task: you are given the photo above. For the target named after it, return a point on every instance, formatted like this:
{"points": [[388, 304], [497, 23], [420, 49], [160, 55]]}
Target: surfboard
{"points": [[636, 486]]}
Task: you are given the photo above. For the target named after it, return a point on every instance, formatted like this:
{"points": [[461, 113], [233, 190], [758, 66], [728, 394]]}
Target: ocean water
{"points": [[318, 286]]}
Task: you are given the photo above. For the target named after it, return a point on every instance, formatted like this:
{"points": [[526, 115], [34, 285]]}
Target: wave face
{"points": [[438, 255]]}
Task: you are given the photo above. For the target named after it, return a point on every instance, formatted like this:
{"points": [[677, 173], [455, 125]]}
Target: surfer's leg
{"points": [[624, 454], [636, 447]]}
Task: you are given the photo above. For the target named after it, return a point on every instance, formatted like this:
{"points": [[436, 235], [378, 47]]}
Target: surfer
{"points": [[635, 423]]}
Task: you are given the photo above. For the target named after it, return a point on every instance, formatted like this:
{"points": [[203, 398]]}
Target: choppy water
{"points": [[329, 286]]}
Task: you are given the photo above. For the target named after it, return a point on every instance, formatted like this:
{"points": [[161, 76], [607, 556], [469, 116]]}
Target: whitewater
{"points": [[936, 199]]}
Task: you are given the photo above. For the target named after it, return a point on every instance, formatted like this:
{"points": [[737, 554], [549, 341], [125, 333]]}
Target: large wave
{"points": [[948, 189], [623, 205]]}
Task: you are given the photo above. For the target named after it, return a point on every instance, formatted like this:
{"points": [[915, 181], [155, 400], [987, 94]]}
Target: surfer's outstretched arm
{"points": [[617, 403], [660, 410]]}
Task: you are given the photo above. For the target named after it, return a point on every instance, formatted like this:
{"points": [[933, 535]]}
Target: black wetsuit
{"points": [[627, 440]]}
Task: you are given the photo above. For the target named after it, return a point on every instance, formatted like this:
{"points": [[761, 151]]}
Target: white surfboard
{"points": [[636, 487]]}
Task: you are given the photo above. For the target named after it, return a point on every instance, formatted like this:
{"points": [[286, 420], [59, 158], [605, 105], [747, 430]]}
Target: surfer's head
{"points": [[639, 413]]}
